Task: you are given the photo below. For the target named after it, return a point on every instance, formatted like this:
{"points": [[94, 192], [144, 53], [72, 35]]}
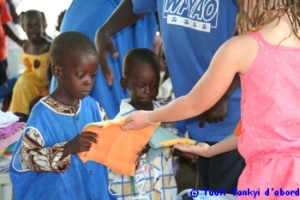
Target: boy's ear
{"points": [[56, 71], [123, 83]]}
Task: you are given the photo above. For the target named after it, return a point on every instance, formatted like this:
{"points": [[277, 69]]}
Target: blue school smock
{"points": [[81, 181]]}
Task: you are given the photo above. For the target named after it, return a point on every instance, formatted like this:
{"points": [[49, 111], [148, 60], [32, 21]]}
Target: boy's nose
{"points": [[147, 89], [88, 81]]}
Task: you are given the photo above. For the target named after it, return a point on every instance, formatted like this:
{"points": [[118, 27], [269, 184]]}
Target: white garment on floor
{"points": [[4, 163], [7, 119]]}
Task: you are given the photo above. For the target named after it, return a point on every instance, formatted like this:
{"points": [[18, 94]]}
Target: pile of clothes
{"points": [[11, 128]]}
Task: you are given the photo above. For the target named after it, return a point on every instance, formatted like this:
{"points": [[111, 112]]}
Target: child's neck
{"points": [[64, 99], [138, 106], [37, 47], [40, 41]]}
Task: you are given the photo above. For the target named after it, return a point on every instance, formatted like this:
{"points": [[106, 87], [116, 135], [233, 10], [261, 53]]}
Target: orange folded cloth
{"points": [[121, 154], [238, 129]]}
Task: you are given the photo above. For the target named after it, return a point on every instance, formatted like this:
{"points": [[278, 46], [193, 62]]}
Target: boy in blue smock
{"points": [[45, 164]]}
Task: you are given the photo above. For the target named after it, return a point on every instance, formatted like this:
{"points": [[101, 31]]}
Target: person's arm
{"points": [[11, 34], [122, 17], [57, 158], [13, 12], [203, 149], [209, 89], [218, 112], [6, 17], [39, 158]]}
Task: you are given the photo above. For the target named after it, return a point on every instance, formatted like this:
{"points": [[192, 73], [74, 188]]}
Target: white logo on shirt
{"points": [[201, 15]]}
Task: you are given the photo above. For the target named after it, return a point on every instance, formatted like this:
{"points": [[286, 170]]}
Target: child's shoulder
{"points": [[89, 101], [239, 52], [240, 42], [40, 107], [47, 43], [26, 46]]}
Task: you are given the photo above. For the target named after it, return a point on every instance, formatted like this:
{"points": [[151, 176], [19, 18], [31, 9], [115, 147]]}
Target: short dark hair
{"points": [[31, 13], [59, 19], [68, 42], [139, 55]]}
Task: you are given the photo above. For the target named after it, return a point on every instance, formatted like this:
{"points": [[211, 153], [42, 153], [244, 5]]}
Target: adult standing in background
{"points": [[192, 31], [14, 51], [86, 17]]}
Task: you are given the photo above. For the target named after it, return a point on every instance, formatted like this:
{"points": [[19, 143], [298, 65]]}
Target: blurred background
{"points": [[51, 8]]}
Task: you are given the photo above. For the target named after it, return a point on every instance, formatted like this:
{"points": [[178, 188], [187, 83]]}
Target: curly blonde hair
{"points": [[254, 14]]}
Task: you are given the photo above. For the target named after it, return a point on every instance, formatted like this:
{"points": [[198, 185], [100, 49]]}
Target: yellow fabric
{"points": [[116, 148], [172, 142], [31, 84], [1, 151]]}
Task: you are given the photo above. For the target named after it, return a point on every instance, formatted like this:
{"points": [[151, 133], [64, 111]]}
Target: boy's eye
{"points": [[154, 85], [80, 76], [141, 86]]}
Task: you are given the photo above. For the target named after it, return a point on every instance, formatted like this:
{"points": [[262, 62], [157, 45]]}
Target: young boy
{"points": [[45, 164], [154, 180]]}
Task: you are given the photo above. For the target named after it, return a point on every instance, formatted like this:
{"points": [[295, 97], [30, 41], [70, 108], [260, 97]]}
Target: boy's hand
{"points": [[82, 142], [215, 114]]}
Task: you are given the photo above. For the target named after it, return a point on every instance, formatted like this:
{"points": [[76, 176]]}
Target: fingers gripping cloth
{"points": [[118, 149], [115, 148]]}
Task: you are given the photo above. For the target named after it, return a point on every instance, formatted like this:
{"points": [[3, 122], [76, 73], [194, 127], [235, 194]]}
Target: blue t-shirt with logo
{"points": [[192, 31]]}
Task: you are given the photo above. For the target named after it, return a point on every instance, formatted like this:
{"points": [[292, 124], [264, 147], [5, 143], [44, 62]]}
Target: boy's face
{"points": [[33, 27], [78, 74], [142, 84]]}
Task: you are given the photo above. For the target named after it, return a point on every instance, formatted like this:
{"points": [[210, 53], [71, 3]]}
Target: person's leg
{"points": [[7, 87], [225, 170], [3, 75], [221, 171], [203, 166]]}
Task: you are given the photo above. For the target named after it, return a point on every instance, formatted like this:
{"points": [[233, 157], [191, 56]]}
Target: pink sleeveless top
{"points": [[270, 105]]}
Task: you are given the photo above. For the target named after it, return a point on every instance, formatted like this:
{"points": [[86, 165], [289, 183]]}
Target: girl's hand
{"points": [[82, 142], [201, 149], [136, 120]]}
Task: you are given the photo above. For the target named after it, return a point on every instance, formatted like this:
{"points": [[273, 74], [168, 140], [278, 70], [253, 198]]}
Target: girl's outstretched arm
{"points": [[203, 149], [231, 58]]}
